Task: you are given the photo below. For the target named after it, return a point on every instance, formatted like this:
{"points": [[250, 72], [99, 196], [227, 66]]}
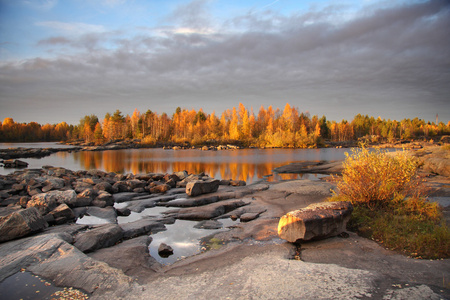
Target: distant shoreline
{"points": [[14, 153]]}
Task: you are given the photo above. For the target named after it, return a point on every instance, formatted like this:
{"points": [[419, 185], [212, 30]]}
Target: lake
{"points": [[249, 165]]}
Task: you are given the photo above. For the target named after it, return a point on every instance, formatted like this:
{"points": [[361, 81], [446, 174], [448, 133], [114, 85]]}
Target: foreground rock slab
{"points": [[316, 221], [54, 258]]}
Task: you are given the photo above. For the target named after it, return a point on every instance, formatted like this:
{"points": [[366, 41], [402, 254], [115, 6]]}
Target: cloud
{"points": [[43, 5], [72, 28], [391, 62], [194, 15]]}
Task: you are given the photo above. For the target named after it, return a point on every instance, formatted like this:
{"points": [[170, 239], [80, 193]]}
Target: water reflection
{"points": [[183, 238], [249, 165]]}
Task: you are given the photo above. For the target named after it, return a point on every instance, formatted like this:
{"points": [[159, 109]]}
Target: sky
{"points": [[61, 60]]}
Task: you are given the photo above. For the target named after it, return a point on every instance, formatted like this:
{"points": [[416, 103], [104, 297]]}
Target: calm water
{"points": [[249, 165]]}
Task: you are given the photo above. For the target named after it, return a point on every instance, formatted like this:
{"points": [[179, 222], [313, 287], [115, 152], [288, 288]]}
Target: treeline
{"points": [[266, 128]]}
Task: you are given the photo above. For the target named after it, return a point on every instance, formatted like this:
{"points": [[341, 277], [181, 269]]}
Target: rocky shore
{"points": [[39, 207]]}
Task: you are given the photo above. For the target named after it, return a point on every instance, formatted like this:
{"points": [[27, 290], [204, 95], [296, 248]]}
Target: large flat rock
{"points": [[304, 187]]}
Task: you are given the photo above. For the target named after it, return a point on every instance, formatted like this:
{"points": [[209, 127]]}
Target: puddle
{"points": [[25, 285], [184, 239], [92, 220], [134, 216]]}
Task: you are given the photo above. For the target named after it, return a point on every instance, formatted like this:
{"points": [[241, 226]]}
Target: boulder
{"points": [[81, 186], [165, 250], [43, 202], [198, 187], [316, 221], [141, 227], [46, 202], [159, 189], [21, 223], [53, 183], [104, 186], [100, 237], [62, 214], [103, 199], [181, 175], [121, 187], [237, 182], [14, 163], [85, 198]]}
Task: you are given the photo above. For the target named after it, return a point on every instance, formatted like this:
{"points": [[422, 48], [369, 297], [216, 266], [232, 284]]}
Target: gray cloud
{"points": [[393, 62]]}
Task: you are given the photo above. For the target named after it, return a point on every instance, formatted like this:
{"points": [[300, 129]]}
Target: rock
{"points": [[53, 183], [124, 197], [304, 187], [323, 167], [141, 227], [135, 183], [196, 188], [104, 186], [165, 250], [181, 175], [247, 217], [44, 203], [51, 256], [209, 211], [21, 223], [209, 224], [85, 198], [191, 202], [134, 256], [123, 212], [62, 214], [100, 237], [14, 163], [107, 213], [159, 189], [103, 199], [316, 221], [81, 186], [237, 182], [121, 187]]}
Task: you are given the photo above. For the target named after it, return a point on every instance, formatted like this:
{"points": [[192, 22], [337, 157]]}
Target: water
{"points": [[184, 239], [249, 165], [25, 285]]}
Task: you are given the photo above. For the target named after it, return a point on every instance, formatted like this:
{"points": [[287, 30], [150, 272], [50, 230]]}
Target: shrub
{"points": [[374, 179], [390, 204]]}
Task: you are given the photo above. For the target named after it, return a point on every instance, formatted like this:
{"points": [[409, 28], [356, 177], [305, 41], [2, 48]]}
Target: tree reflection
{"points": [[248, 165]]}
